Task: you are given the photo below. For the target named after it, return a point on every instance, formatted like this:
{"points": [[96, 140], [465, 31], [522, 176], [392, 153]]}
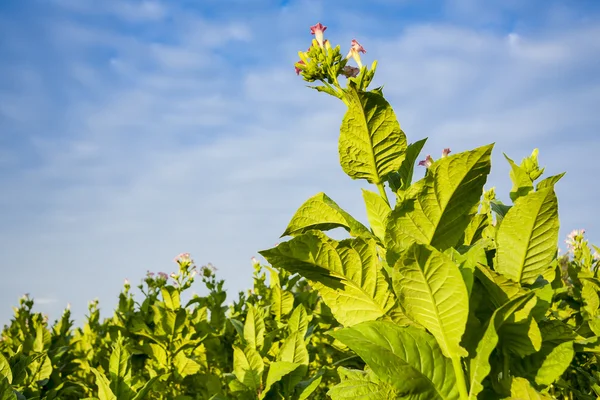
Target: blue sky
{"points": [[131, 131]]}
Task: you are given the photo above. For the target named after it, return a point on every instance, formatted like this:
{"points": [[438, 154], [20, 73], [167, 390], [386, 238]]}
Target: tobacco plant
{"points": [[448, 293]]}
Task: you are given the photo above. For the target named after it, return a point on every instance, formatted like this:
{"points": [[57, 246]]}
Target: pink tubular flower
{"points": [[355, 49], [445, 152], [318, 30], [183, 257], [255, 261], [426, 162], [298, 69]]}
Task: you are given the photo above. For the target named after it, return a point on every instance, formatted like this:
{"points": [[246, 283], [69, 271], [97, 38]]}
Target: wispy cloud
{"points": [[161, 130]]}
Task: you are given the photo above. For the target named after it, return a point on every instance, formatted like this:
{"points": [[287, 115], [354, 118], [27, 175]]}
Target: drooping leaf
{"points": [[479, 364], [377, 212], [432, 292], [321, 213], [406, 358], [437, 209], [347, 274], [371, 143], [528, 236], [499, 288], [360, 385]]}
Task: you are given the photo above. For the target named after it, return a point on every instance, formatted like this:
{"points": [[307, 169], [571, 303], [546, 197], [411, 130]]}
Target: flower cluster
{"points": [[428, 161], [574, 240], [322, 62]]}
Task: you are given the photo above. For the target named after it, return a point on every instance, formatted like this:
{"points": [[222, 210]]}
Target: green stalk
{"points": [[460, 378], [383, 193]]}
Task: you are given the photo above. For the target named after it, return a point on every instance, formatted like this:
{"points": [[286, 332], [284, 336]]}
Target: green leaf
{"points": [[294, 349], [5, 370], [282, 302], [521, 335], [248, 367], [184, 365], [432, 292], [500, 209], [408, 164], [305, 388], [547, 365], [360, 385], [479, 364], [321, 213], [6, 391], [521, 389], [119, 370], [143, 392], [437, 209], [549, 182], [498, 288], [298, 321], [522, 183], [171, 297], [377, 212], [371, 143], [347, 274], [406, 358], [527, 237], [104, 392], [277, 371], [254, 328]]}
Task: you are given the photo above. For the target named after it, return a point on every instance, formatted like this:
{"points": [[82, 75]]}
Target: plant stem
{"points": [[383, 193], [460, 378]]}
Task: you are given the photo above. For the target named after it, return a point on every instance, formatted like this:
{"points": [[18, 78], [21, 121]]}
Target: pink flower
{"points": [[183, 257], [426, 162], [297, 68], [163, 275], [355, 49], [150, 274], [255, 261], [126, 281], [445, 152], [350, 72], [318, 30]]}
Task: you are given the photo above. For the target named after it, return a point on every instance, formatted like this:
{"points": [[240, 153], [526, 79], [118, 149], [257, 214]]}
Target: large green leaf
{"points": [[431, 290], [479, 364], [360, 385], [248, 367], [371, 143], [437, 209], [377, 212], [254, 328], [321, 213], [6, 391], [527, 238], [185, 366], [347, 274], [549, 181], [282, 302], [406, 358]]}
